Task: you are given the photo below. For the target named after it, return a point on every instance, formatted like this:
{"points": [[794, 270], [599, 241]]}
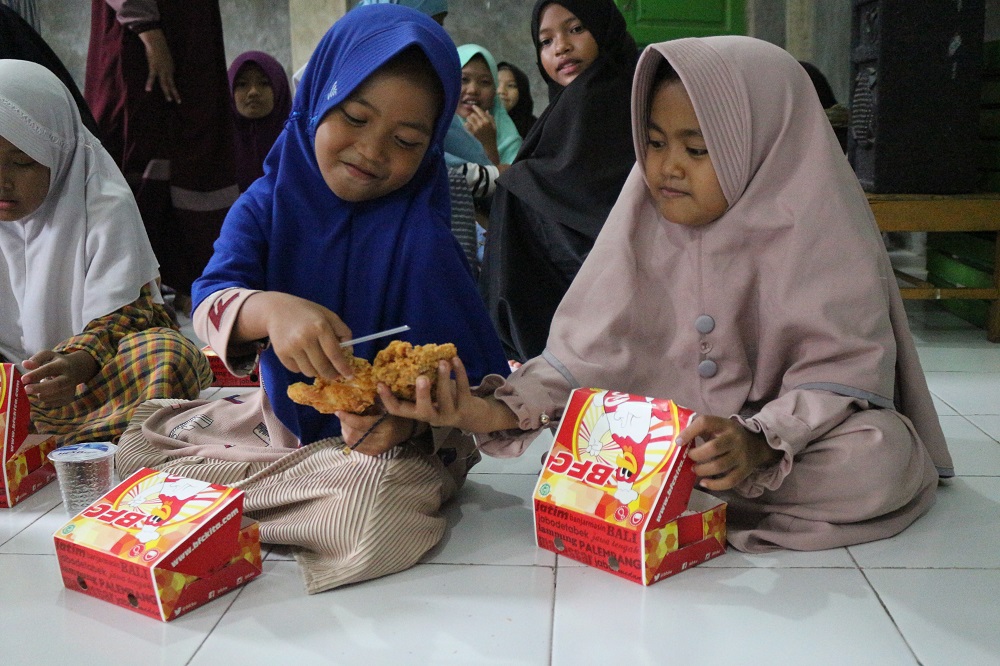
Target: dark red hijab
{"points": [[254, 138]]}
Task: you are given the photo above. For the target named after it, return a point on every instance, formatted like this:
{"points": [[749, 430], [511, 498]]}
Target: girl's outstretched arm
{"points": [[456, 406]]}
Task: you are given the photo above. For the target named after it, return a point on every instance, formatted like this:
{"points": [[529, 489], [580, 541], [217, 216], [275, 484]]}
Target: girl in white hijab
{"points": [[80, 311], [740, 274]]}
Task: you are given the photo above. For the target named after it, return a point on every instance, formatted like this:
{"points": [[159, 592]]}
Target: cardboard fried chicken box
{"points": [[26, 467], [160, 544], [221, 375], [617, 493]]}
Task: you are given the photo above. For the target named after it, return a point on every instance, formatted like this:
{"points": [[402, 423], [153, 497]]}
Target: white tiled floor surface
{"points": [[487, 595]]}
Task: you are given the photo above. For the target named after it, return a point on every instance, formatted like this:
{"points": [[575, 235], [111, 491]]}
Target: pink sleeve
{"points": [[790, 423], [136, 14], [537, 394], [213, 323]]}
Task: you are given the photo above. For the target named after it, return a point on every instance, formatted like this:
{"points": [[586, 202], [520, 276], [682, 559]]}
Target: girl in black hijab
{"points": [[551, 203], [522, 110]]}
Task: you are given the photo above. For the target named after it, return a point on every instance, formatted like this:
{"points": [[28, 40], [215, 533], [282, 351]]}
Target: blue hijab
{"points": [[378, 263]]}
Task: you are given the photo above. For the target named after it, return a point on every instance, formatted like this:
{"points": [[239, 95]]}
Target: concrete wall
{"points": [[814, 30], [261, 25]]}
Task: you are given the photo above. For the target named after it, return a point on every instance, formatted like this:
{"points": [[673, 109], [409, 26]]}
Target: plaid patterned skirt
{"points": [[154, 363]]}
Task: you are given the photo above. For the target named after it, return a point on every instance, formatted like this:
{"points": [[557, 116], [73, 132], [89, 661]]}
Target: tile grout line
{"points": [[889, 614]]}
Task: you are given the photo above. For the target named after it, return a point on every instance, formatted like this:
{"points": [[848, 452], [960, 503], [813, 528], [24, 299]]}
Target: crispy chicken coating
{"points": [[399, 365], [355, 395]]}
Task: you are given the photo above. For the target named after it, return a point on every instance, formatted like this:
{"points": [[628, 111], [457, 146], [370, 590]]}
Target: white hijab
{"points": [[84, 253]]}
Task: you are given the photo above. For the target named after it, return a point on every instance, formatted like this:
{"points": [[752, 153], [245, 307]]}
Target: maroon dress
{"points": [[178, 158]]}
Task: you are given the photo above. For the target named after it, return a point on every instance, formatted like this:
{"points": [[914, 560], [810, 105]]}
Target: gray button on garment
{"points": [[707, 368], [704, 324]]}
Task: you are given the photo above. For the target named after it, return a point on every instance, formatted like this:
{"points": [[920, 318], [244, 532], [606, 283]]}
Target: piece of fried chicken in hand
{"points": [[399, 365], [356, 395]]}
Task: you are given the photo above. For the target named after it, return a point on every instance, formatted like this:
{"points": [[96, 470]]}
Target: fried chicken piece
{"points": [[356, 395], [399, 365]]}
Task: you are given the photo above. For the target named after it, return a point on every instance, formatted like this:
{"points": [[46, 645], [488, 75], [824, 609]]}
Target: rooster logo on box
{"points": [[628, 421], [168, 498]]}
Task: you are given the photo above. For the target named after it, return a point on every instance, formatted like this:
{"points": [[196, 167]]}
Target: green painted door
{"points": [[652, 21]]}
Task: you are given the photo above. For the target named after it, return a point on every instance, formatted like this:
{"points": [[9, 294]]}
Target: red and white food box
{"points": [[617, 493], [26, 466], [222, 376], [160, 544]]}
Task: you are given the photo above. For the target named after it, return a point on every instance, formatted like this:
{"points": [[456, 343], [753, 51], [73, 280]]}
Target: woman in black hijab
{"points": [[551, 203], [19, 41]]}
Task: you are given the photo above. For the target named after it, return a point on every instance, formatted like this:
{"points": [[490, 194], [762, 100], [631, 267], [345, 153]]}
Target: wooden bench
{"points": [[931, 213]]}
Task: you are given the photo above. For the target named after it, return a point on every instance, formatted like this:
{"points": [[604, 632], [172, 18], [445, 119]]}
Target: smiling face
{"points": [[372, 143], [478, 87], [679, 172], [24, 183], [252, 92], [566, 47], [509, 94]]}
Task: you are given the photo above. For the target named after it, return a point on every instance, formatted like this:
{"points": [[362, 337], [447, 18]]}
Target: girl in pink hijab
{"points": [[740, 274]]}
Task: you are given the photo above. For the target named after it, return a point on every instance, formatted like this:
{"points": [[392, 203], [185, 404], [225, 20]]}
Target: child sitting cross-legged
{"points": [[346, 234], [740, 274]]}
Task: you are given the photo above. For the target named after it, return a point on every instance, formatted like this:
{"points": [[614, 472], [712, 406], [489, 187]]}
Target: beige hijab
{"points": [[794, 276]]}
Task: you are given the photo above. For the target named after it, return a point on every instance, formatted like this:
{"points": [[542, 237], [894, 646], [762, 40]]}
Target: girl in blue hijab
{"points": [[347, 232]]}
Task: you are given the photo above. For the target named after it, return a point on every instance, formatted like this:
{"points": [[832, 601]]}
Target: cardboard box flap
{"points": [[614, 491], [163, 518], [160, 544], [14, 410], [24, 467], [623, 445]]}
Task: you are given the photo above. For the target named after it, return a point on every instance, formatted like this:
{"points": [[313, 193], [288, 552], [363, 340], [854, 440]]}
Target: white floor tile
{"points": [[836, 558], [948, 617], [19, 517], [209, 393], [988, 423], [943, 408], [972, 450], [529, 462], [44, 623], [37, 539], [959, 359], [962, 530], [967, 392], [932, 325], [230, 391], [431, 614], [491, 521], [723, 616]]}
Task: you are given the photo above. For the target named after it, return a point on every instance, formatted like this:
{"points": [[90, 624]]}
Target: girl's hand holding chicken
{"points": [[456, 406]]}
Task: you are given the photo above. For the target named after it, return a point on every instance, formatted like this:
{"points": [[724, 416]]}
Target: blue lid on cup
{"points": [[83, 452]]}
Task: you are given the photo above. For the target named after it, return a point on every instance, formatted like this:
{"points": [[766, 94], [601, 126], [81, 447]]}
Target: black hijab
{"points": [[822, 86], [552, 202], [19, 41], [522, 112]]}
